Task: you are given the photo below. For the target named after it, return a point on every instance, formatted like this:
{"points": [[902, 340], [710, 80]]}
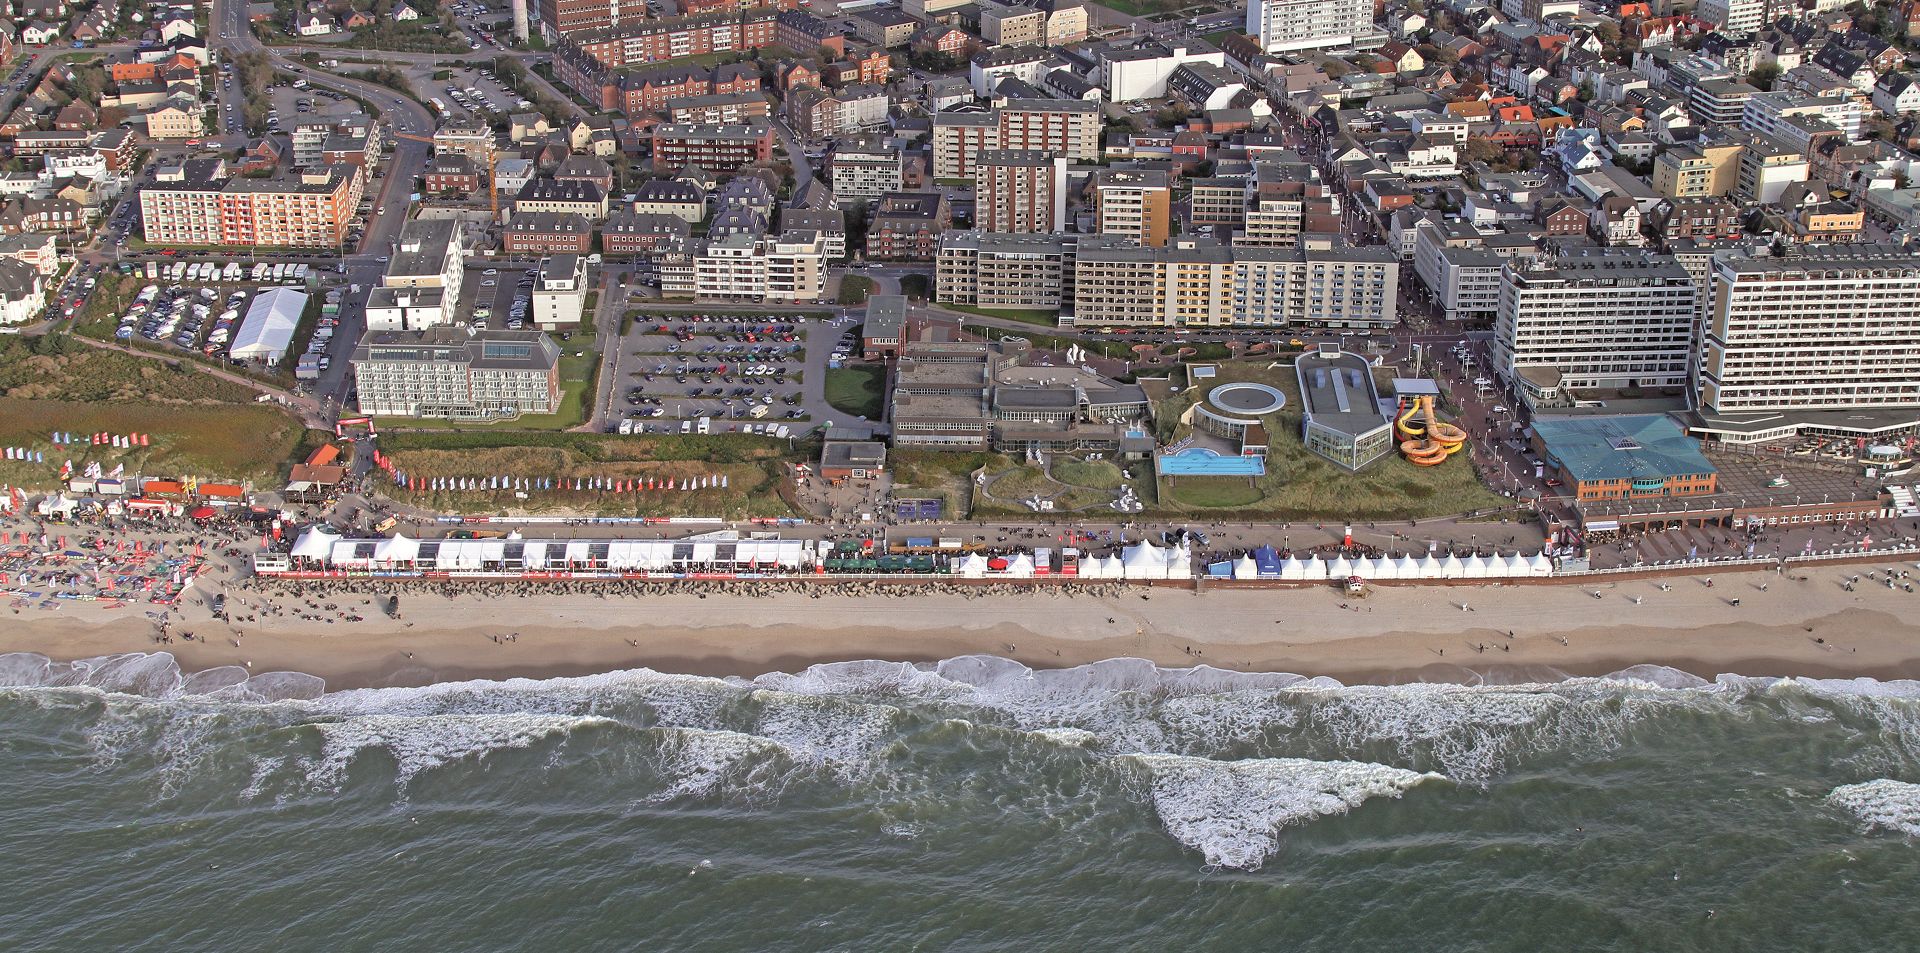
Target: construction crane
{"points": [[493, 164]]}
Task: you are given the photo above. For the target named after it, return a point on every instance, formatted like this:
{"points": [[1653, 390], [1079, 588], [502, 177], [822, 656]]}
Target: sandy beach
{"points": [[1803, 623]]}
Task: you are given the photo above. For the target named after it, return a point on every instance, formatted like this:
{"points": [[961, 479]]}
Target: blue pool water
{"points": [[1199, 461]]}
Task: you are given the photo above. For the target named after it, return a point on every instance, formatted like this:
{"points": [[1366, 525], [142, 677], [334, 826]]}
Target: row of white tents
{"points": [[1449, 566], [1142, 560]]}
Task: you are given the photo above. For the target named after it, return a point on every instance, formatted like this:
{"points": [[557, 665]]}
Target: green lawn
{"points": [[1033, 316], [854, 289], [1098, 474], [857, 389], [213, 441]]}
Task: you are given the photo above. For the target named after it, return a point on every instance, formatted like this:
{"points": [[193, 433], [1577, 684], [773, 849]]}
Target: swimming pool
{"points": [[1199, 461]]}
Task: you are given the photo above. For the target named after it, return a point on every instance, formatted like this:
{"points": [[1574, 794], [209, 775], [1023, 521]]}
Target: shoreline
{"points": [[1812, 628]]}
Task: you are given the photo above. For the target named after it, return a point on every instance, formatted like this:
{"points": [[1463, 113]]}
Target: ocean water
{"points": [[972, 805]]}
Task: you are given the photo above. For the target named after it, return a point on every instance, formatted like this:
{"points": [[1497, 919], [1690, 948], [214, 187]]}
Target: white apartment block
{"points": [[422, 283], [791, 267], [1824, 328], [1767, 113], [1735, 16], [1285, 25], [1197, 283], [865, 169], [1603, 319]]}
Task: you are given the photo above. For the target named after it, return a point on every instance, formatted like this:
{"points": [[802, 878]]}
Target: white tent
{"points": [[1291, 568], [1517, 565], [1451, 567], [396, 550], [1474, 567], [1540, 565], [1315, 568], [1340, 568], [1382, 568], [1245, 568], [1406, 567], [973, 566], [315, 542], [1143, 560], [266, 332], [1092, 568], [1429, 567], [1021, 567], [56, 505], [1180, 563]]}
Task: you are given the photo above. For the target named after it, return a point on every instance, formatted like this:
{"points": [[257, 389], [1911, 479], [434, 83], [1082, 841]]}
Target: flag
{"points": [[66, 470], [143, 439]]}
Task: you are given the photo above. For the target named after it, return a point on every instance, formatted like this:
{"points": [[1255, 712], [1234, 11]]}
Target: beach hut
{"points": [[1474, 567], [1451, 567], [1291, 568], [1315, 568], [1246, 568]]}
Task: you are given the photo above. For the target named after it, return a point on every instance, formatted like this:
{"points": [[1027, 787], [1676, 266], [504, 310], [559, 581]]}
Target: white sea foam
{"points": [[1070, 737], [1233, 811], [1883, 803], [838, 736], [422, 743], [696, 762]]}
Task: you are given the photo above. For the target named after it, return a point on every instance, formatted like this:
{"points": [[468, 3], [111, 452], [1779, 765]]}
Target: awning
{"points": [[202, 513]]}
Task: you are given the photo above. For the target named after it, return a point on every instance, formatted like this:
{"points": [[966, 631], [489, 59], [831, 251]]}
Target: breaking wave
{"points": [[1229, 759], [1883, 803], [1232, 812]]}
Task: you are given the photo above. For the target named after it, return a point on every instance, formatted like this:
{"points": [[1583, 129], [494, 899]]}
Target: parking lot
{"points": [[474, 91], [497, 297], [744, 370]]}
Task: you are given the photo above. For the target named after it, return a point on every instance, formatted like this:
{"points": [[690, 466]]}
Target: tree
{"points": [[1763, 76], [1482, 150]]}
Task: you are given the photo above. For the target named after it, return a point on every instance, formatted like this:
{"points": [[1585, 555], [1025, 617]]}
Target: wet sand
{"points": [[1804, 623]]}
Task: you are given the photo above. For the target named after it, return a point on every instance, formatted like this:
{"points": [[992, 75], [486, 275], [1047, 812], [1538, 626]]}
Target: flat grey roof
{"points": [[1338, 392]]}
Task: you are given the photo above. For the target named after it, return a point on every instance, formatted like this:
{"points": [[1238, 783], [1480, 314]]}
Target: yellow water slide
{"points": [[1429, 440]]}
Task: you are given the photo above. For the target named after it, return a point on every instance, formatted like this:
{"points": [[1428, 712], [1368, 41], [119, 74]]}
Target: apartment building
{"points": [[563, 196], [198, 202], [580, 54], [1280, 212], [1822, 328], [457, 373], [990, 270], [1460, 264], [1066, 127], [559, 18], [1598, 319], [1286, 25], [422, 283], [1199, 283], [1769, 113], [1048, 23], [907, 226], [1738, 17], [1705, 168], [1767, 166], [720, 148], [559, 291], [1020, 190], [865, 168], [756, 270], [1133, 204]]}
